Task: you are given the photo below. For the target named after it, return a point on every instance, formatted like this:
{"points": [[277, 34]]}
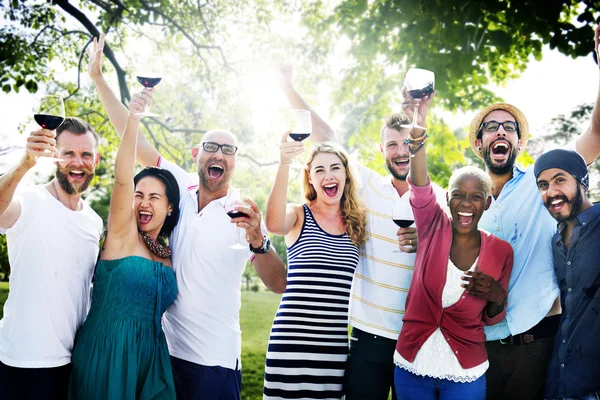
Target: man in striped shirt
{"points": [[383, 276]]}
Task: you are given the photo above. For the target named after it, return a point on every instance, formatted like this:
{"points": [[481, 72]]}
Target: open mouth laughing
{"points": [[500, 150], [401, 162], [145, 217], [215, 171], [465, 218], [556, 204], [331, 189]]}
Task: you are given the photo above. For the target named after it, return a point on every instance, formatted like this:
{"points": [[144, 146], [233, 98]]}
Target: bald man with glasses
{"points": [[202, 325]]}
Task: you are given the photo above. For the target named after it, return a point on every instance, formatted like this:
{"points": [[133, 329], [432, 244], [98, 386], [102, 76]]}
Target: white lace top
{"points": [[435, 358]]}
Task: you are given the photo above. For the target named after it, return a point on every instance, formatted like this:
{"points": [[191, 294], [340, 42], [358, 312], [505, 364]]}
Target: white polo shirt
{"points": [[52, 252], [202, 325], [382, 277]]}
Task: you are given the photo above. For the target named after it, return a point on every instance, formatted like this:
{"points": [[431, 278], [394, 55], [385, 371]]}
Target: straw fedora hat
{"points": [[509, 108]]}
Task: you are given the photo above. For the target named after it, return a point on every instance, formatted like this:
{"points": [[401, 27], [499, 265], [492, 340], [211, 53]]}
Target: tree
{"points": [[468, 44], [561, 131]]}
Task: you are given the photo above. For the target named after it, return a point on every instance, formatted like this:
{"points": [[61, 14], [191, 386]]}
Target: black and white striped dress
{"points": [[308, 346]]}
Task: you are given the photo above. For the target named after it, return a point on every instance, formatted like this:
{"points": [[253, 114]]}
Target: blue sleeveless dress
{"points": [[120, 351], [308, 346]]}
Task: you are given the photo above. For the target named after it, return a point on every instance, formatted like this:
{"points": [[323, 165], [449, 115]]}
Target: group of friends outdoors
{"points": [[494, 293]]}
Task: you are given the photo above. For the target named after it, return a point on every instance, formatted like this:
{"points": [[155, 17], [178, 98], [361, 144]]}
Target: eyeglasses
{"points": [[493, 126], [226, 149]]}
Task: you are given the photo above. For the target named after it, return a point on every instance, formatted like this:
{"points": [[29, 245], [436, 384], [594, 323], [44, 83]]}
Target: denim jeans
{"points": [[414, 387]]}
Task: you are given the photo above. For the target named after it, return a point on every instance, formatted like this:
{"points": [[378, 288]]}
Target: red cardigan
{"points": [[461, 323]]}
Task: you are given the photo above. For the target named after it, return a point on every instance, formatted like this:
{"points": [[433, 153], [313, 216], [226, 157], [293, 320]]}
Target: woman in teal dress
{"points": [[120, 351]]}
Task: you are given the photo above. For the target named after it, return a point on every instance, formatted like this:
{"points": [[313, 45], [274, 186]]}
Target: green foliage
{"points": [[4, 265], [467, 44], [444, 152], [562, 130]]}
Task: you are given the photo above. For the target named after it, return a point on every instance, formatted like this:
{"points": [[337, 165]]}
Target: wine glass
{"points": [[149, 73], [402, 214], [419, 83], [235, 197], [50, 114], [301, 129]]}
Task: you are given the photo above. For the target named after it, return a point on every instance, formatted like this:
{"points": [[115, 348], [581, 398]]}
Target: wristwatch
{"points": [[264, 248]]}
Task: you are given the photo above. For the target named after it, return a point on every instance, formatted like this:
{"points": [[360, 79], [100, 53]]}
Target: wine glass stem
{"points": [[237, 235], [415, 113]]}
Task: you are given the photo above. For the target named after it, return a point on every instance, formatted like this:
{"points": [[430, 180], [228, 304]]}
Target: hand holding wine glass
{"points": [[419, 84], [149, 73], [40, 143], [140, 102], [301, 130], [235, 208], [402, 216], [49, 115], [289, 150]]}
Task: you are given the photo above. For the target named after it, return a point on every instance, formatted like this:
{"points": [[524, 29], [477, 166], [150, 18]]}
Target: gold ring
{"points": [[410, 242]]}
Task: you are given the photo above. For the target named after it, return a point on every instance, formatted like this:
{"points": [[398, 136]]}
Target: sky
{"points": [[550, 87]]}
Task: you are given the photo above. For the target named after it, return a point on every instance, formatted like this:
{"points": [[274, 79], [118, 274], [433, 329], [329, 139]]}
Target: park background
{"points": [[349, 61]]}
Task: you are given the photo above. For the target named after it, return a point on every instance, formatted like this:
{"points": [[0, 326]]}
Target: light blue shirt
{"points": [[519, 216]]}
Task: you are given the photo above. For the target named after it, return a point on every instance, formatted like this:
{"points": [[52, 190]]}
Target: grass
{"points": [[256, 318]]}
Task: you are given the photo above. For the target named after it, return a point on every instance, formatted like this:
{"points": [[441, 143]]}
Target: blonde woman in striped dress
{"points": [[308, 346]]}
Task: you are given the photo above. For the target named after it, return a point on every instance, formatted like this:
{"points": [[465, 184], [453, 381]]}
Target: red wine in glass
{"points": [[148, 82], [236, 214], [404, 223], [420, 93], [298, 137], [46, 121]]}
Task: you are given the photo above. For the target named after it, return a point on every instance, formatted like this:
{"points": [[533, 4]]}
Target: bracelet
{"points": [[414, 151], [420, 139]]}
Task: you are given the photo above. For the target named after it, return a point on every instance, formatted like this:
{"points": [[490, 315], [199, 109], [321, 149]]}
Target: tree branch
{"points": [[102, 5], [260, 164], [184, 32], [156, 142], [174, 130], [63, 34], [79, 68], [84, 20]]}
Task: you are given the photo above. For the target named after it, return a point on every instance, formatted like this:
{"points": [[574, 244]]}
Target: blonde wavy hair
{"points": [[353, 211]]}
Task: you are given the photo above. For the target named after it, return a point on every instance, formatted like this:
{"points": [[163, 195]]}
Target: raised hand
{"points": [[289, 149], [409, 103], [484, 286], [139, 102], [41, 143], [95, 55], [284, 74]]}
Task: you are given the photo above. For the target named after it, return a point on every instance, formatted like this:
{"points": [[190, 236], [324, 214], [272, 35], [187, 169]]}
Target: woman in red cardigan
{"points": [[459, 285]]}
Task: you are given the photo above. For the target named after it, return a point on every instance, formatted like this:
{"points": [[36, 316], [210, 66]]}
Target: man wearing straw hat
{"points": [[519, 348]]}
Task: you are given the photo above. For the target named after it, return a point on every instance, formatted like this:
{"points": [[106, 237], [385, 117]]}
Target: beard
{"points": [[495, 168], [395, 174], [575, 204], [210, 184], [63, 180]]}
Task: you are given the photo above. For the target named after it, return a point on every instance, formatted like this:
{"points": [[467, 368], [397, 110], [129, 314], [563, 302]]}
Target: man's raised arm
{"points": [[321, 131], [588, 144], [147, 155]]}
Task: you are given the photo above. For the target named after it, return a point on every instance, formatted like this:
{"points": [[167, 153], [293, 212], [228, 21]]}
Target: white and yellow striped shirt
{"points": [[382, 277]]}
